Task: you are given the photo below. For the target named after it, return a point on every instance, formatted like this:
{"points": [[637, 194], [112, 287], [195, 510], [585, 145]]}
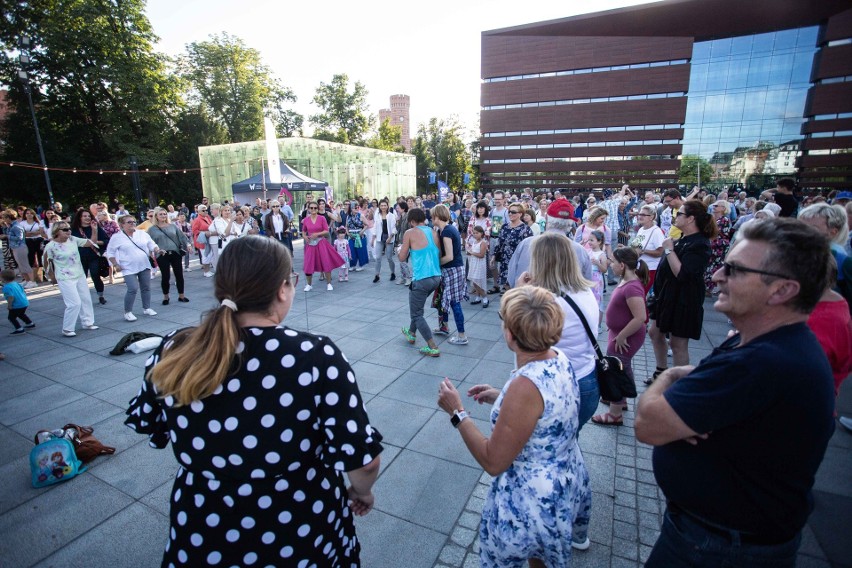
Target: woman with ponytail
{"points": [[625, 318], [679, 286], [264, 420]]}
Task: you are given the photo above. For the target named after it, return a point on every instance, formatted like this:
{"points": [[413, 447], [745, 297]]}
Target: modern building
{"points": [[759, 90], [398, 115]]}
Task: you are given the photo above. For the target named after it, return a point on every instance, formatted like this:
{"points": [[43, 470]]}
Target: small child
{"points": [[16, 302], [341, 245], [597, 255], [477, 274]]}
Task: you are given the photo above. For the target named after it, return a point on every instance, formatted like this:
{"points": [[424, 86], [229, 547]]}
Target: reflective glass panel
{"points": [[746, 102]]}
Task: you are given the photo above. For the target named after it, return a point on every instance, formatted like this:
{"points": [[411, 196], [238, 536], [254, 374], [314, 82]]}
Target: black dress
{"points": [[679, 306], [262, 458]]}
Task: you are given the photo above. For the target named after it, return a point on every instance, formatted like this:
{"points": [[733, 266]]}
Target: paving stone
{"points": [[117, 540], [85, 500], [426, 476], [625, 499], [624, 531], [386, 539], [462, 536], [452, 555], [625, 548], [626, 514], [469, 520], [471, 560], [648, 536], [625, 485], [438, 438], [398, 421], [648, 504], [646, 490]]}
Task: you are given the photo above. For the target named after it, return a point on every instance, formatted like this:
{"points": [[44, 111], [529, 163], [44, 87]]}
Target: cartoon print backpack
{"points": [[53, 459]]}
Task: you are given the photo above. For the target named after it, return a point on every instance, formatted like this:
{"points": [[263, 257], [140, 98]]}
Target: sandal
{"points": [[607, 419], [494, 290], [607, 402], [653, 377]]}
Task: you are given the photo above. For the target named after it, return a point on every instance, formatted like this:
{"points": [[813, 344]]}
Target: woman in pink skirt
{"points": [[320, 256]]}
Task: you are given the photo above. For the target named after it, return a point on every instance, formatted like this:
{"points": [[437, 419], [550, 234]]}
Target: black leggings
{"points": [[174, 261], [33, 250], [92, 267], [15, 314]]}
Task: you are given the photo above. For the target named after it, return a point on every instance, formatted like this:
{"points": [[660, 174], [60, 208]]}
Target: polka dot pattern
{"points": [[267, 449]]}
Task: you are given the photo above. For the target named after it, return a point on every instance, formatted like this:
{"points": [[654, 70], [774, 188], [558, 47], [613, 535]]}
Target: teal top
{"points": [[425, 263]]}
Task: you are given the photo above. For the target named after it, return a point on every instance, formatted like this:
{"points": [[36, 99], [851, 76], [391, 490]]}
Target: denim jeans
{"points": [[135, 282], [589, 397], [683, 541]]}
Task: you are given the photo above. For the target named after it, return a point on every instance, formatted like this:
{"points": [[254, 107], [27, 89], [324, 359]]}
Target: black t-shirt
{"points": [[768, 409], [788, 204], [450, 232]]}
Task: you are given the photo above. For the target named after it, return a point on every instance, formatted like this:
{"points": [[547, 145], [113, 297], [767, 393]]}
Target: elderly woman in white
{"points": [[131, 252]]}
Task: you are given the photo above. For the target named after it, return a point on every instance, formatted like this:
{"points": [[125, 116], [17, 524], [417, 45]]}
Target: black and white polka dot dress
{"points": [[262, 459]]}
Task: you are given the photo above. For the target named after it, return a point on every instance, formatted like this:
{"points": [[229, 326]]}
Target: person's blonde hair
{"points": [[595, 213], [649, 209], [441, 213], [197, 361], [533, 317], [157, 212], [54, 229], [554, 265], [724, 204], [835, 218]]}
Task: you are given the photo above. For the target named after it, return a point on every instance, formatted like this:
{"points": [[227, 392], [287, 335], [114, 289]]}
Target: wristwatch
{"points": [[666, 252], [457, 417]]}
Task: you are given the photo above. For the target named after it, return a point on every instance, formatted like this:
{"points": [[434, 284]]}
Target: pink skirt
{"points": [[321, 258]]}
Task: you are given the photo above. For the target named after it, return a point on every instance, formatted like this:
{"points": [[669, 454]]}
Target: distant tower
{"points": [[397, 114]]}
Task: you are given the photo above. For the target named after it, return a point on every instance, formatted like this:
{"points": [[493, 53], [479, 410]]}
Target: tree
{"points": [[439, 148], [387, 138], [229, 81], [345, 116], [687, 174], [101, 93]]}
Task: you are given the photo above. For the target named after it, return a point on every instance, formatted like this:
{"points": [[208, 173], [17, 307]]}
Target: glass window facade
{"points": [[746, 103]]}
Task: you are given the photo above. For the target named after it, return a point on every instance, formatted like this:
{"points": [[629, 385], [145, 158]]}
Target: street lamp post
{"points": [[24, 59]]}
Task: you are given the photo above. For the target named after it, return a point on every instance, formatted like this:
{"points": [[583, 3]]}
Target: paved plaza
{"points": [[430, 492]]}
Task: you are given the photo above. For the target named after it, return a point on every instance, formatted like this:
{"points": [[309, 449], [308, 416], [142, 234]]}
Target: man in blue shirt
{"points": [[739, 438]]}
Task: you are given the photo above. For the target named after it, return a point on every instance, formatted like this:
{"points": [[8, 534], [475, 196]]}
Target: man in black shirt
{"points": [[783, 194], [739, 438]]}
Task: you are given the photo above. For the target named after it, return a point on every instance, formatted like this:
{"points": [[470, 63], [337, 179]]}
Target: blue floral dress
{"points": [[534, 505]]}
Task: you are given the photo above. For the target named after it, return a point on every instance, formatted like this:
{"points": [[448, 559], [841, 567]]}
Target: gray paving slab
{"points": [[117, 541], [425, 490], [430, 491], [43, 525]]}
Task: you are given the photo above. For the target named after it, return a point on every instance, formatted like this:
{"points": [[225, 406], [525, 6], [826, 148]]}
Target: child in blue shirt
{"points": [[16, 301]]}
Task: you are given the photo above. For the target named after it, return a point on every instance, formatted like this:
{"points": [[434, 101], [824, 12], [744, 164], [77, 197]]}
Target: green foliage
{"points": [[345, 115], [229, 81], [690, 164], [387, 138], [438, 147], [101, 93]]}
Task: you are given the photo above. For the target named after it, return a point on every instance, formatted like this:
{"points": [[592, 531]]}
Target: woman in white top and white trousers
{"points": [[130, 251]]}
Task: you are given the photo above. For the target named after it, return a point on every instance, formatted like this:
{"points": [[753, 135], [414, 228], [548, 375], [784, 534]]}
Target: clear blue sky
{"points": [[431, 51]]}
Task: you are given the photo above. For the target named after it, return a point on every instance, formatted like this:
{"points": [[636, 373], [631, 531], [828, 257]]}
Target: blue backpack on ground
{"points": [[54, 460]]}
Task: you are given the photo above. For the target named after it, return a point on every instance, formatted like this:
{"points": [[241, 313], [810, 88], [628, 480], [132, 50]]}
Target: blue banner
{"points": [[431, 178]]}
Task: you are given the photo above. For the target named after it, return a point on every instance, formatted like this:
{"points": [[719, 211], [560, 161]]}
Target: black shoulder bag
{"points": [[613, 382]]}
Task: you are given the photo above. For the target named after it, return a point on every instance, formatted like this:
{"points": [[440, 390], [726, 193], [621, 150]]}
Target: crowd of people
{"points": [[564, 269]]}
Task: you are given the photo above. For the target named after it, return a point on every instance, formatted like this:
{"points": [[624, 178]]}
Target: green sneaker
{"points": [[429, 352], [408, 335]]}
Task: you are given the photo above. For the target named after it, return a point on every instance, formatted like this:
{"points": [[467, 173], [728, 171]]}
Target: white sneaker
{"points": [[580, 545], [30, 284], [90, 327], [359, 268], [208, 275], [149, 312], [187, 269], [69, 333], [129, 316], [329, 287], [308, 287]]}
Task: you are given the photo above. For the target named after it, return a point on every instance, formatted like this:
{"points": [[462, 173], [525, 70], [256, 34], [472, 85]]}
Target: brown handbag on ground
{"points": [[86, 445]]}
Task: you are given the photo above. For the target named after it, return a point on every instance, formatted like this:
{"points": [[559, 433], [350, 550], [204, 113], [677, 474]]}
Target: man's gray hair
{"points": [[558, 225]]}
